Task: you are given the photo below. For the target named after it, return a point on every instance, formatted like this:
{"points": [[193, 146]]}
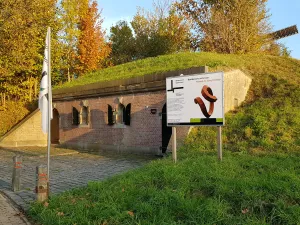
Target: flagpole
{"points": [[49, 102]]}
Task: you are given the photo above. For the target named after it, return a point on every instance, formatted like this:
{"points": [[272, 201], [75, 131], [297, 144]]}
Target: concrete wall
{"points": [[27, 133], [236, 86]]}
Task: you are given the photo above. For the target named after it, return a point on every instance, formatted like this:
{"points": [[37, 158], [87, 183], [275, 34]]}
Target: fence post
{"points": [[42, 189], [16, 177]]}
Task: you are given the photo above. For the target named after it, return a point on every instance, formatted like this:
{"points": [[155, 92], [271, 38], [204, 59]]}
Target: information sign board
{"points": [[195, 100]]}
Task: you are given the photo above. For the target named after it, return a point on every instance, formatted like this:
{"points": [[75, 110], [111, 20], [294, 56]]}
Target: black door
{"points": [[166, 131], [55, 127]]}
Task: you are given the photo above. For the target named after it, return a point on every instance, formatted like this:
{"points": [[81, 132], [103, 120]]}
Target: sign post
{"points": [[174, 145], [196, 100], [219, 141]]}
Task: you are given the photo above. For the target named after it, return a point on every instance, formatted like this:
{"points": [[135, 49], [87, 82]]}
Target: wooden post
{"points": [[16, 177], [174, 147], [219, 140], [42, 189], [30, 89]]}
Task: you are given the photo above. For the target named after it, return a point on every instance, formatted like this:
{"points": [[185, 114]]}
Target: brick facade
{"points": [[143, 134]]}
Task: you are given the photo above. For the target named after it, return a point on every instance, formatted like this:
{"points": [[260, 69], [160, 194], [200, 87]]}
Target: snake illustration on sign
{"points": [[207, 93]]}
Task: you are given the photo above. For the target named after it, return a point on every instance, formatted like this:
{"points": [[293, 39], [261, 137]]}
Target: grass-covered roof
{"points": [[254, 65]]}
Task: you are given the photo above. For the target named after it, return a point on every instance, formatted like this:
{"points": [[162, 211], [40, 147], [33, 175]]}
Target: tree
{"points": [[23, 27], [162, 31], [71, 12], [228, 26], [122, 43], [92, 48], [277, 49]]}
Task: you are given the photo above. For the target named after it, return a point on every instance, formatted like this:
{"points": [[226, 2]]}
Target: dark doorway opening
{"points": [[55, 127], [166, 131]]}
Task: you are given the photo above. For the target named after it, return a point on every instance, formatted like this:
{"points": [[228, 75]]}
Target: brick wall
{"points": [[143, 134]]}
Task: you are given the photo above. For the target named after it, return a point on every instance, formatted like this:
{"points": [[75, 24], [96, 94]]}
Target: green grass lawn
{"points": [[243, 189]]}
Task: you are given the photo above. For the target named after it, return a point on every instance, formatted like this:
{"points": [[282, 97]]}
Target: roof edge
{"points": [[148, 82]]}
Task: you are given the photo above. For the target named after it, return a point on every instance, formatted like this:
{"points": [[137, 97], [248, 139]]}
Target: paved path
{"points": [[66, 172], [10, 215]]}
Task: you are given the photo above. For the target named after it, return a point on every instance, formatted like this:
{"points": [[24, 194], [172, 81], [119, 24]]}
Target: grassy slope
{"points": [[253, 64], [246, 188]]}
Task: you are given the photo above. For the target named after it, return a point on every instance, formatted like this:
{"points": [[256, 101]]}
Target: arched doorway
{"points": [[166, 131], [55, 127]]}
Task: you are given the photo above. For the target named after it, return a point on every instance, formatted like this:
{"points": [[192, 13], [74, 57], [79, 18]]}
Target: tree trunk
{"points": [[69, 78], [4, 98], [35, 88], [30, 89]]}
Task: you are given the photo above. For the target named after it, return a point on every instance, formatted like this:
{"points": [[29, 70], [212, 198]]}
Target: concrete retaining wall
{"points": [[27, 133]]}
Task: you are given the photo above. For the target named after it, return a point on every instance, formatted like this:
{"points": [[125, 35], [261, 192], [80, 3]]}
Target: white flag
{"points": [[44, 89]]}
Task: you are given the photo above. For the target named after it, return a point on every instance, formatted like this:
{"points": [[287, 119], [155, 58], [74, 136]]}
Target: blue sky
{"points": [[283, 14]]}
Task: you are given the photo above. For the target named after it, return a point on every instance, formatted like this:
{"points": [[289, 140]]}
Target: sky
{"points": [[283, 14]]}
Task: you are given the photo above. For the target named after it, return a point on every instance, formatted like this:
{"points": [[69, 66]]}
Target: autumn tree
{"points": [[23, 27], [70, 14], [122, 43], [228, 26], [161, 31], [92, 47]]}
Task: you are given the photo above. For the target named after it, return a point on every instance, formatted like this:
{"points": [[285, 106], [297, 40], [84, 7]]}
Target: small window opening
{"points": [[75, 116], [119, 115]]}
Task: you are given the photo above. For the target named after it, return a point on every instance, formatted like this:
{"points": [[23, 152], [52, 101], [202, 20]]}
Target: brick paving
{"points": [[66, 172]]}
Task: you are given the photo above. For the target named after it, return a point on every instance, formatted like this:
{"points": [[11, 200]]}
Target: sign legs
{"points": [[219, 141], [174, 147]]}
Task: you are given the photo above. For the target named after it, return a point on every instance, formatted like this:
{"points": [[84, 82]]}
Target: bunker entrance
{"points": [[166, 131]]}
